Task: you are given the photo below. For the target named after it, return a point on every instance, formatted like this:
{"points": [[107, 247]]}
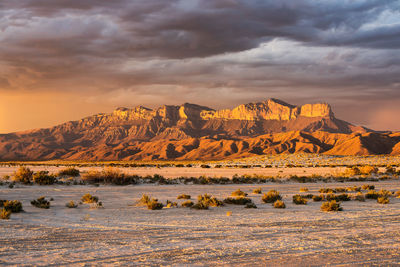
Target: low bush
{"points": [[153, 204], [383, 200], [5, 214], [44, 178], [257, 191], [279, 204], [144, 200], [88, 198], [299, 200], [23, 175], [71, 205], [317, 198], [14, 206], [372, 194], [238, 193], [384, 193], [367, 187], [343, 197], [308, 196], [187, 204], [331, 206], [171, 204], [69, 172], [41, 202], [250, 205], [237, 200], [209, 200], [303, 189], [200, 206], [271, 196], [340, 189], [205, 166], [183, 196], [327, 190], [353, 189]]}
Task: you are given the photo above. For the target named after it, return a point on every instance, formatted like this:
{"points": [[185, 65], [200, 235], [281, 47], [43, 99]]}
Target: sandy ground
{"points": [[365, 233], [173, 172]]}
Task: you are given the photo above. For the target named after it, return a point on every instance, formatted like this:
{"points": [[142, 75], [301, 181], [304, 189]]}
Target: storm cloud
{"points": [[217, 53]]}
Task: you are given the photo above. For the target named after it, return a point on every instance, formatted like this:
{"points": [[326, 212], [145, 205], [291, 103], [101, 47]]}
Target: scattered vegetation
{"points": [[239, 193], [5, 214], [183, 196], [299, 200], [88, 198], [23, 175], [41, 202], [257, 191], [383, 200], [279, 204], [187, 204], [71, 171], [271, 196], [71, 205], [13, 206], [153, 204], [331, 206], [44, 178]]}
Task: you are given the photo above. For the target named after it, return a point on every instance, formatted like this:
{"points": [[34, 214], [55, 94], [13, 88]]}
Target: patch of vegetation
{"points": [[71, 171], [41, 202], [88, 198], [372, 194], [14, 206], [171, 204], [23, 175], [187, 204], [238, 200], [183, 196], [44, 178], [303, 189], [368, 187], [71, 205], [5, 214], [383, 200], [331, 206], [279, 204], [257, 191], [327, 190], [317, 198], [153, 204], [144, 200], [239, 193], [209, 200], [299, 200], [271, 196]]}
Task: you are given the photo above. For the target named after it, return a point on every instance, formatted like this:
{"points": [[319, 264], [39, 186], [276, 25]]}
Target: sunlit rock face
{"points": [[191, 131]]}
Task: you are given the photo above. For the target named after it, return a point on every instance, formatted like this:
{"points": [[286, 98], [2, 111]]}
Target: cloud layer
{"points": [[218, 53]]}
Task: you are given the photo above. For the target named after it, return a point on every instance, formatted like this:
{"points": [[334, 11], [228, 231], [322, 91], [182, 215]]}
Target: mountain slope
{"points": [[195, 132]]}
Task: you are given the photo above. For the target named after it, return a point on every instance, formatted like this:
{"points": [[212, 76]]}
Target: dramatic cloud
{"points": [[217, 53]]}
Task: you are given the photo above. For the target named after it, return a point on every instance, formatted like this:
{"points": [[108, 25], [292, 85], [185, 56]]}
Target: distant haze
{"points": [[63, 60]]}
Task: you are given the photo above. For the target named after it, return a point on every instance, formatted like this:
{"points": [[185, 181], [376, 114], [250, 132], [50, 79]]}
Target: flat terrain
{"points": [[365, 233]]}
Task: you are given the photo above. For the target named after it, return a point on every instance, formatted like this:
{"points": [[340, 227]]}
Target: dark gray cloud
{"points": [[202, 51]]}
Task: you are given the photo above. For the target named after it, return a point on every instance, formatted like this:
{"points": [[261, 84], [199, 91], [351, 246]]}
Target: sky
{"points": [[63, 60]]}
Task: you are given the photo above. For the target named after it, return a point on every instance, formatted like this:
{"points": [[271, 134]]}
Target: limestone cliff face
{"points": [[271, 109]]}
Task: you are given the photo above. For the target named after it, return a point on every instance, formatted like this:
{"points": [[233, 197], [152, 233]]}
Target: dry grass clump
{"points": [[43, 178], [73, 172], [383, 200], [23, 175], [368, 170], [299, 200], [71, 205], [352, 171], [257, 191], [353, 189], [5, 214], [331, 206], [250, 205], [88, 198], [187, 204], [368, 187], [183, 196], [279, 204], [209, 200], [384, 193], [271, 196], [308, 196], [318, 198], [238, 200], [144, 200], [171, 204], [340, 190], [327, 190], [343, 197], [239, 193], [41, 203], [303, 189]]}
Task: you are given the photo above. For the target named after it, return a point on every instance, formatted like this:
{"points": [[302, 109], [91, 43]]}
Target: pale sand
{"points": [[365, 233]]}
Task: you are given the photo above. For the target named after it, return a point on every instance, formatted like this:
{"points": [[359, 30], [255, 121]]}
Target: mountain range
{"points": [[193, 132]]}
